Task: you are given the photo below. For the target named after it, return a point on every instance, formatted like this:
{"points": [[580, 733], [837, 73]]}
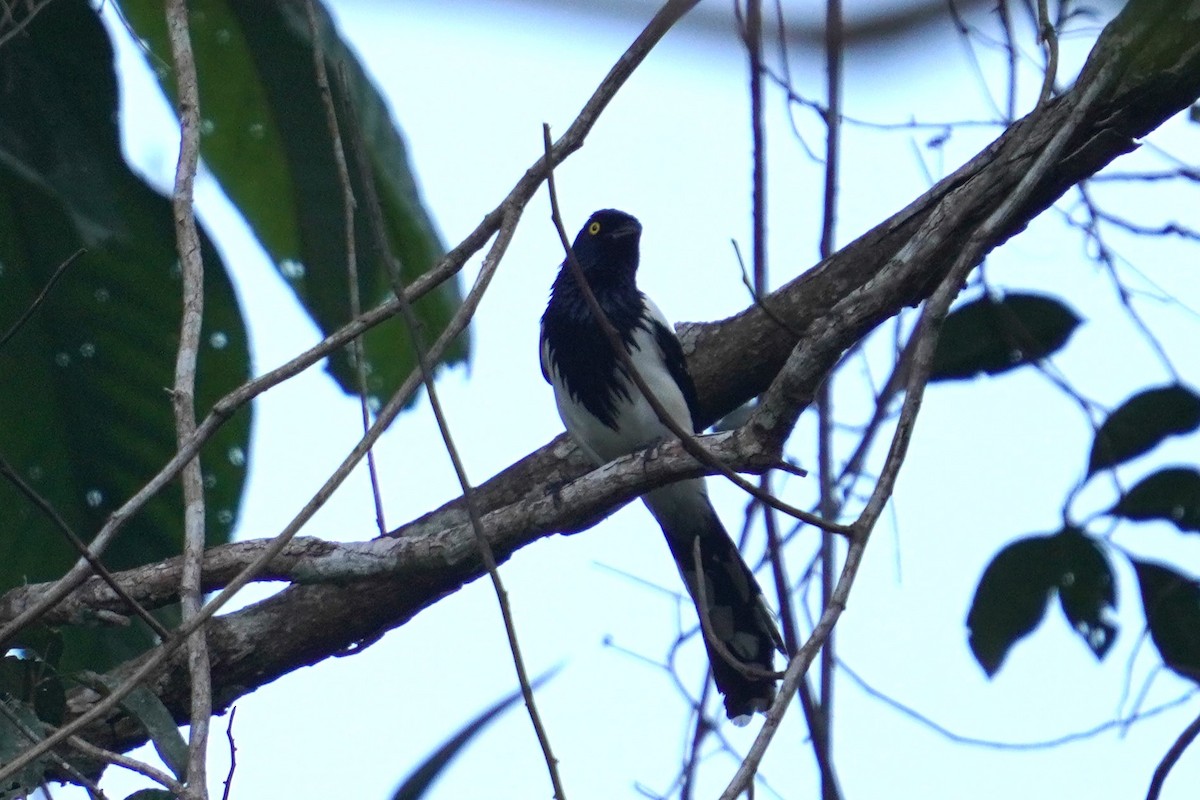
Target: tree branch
{"points": [[183, 395]]}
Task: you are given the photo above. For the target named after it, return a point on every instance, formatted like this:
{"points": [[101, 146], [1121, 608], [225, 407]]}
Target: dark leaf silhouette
{"points": [[1171, 602], [1087, 590], [993, 336], [1016, 586], [1142, 422], [418, 782], [1011, 599], [1171, 494]]}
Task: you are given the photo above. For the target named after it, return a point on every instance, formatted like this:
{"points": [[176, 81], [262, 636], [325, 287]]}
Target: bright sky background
{"points": [[471, 84]]}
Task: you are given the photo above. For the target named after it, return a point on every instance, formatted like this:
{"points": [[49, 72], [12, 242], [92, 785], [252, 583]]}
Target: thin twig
{"points": [[34, 737], [357, 348], [32, 9], [183, 396], [1010, 51], [41, 297], [412, 323], [1172, 755], [828, 505], [935, 310], [1049, 38], [995, 744], [97, 566], [232, 754], [90, 750]]}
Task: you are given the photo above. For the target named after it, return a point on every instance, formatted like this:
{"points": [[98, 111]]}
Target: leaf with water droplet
{"points": [[1087, 590], [991, 335], [1171, 495], [86, 374], [1015, 589], [267, 142]]}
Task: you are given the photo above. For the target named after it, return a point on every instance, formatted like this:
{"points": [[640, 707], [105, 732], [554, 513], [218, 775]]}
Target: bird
{"points": [[608, 417]]}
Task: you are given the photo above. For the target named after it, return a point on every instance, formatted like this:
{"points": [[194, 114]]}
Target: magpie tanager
{"points": [[608, 417]]}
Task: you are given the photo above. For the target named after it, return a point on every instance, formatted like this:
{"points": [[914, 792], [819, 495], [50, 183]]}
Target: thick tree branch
{"points": [[1152, 48]]}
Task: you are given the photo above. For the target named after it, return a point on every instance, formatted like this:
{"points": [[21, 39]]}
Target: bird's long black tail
{"points": [[736, 614]]}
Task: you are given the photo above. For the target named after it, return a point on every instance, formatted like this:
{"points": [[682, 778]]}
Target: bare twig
{"points": [[750, 671], [412, 323], [828, 505], [18, 26], [1049, 37], [995, 744], [1172, 755], [232, 754], [349, 205], [34, 737], [1010, 50], [183, 396], [132, 764], [41, 297], [102, 571]]}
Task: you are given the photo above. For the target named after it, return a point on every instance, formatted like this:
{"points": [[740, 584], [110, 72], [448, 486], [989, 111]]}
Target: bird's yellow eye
{"points": [[594, 228]]}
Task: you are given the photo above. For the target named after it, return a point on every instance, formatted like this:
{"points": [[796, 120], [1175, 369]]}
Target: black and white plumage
{"points": [[608, 417]]}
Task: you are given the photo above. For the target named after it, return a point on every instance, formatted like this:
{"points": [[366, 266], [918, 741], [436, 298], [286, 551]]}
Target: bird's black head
{"points": [[607, 245]]}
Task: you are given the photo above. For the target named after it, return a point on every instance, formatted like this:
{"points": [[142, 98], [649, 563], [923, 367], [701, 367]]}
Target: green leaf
{"points": [[1172, 605], [1141, 423], [1171, 494], [1017, 585], [13, 742], [149, 710], [24, 676], [146, 707], [1087, 590], [87, 375], [418, 782], [1011, 599], [151, 794], [267, 142], [993, 336]]}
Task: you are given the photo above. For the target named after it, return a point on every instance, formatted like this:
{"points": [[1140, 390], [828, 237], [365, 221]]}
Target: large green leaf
{"points": [[267, 141], [84, 395], [1142, 422], [993, 336]]}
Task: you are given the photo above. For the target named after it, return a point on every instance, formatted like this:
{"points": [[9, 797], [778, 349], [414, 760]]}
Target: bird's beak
{"points": [[631, 228]]}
